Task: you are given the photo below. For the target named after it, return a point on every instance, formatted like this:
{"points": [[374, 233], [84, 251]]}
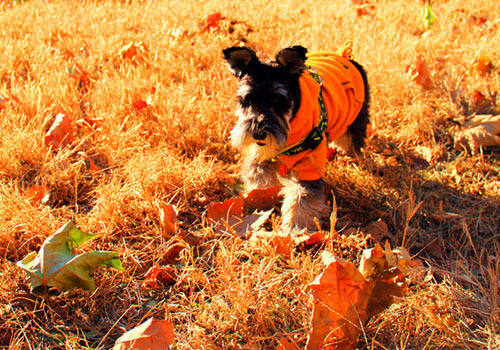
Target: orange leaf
{"points": [[212, 20], [60, 133], [484, 65], [285, 344], [340, 299], [139, 104], [37, 194], [156, 275], [262, 198], [229, 208], [152, 335], [420, 73], [310, 239], [281, 244], [168, 218]]}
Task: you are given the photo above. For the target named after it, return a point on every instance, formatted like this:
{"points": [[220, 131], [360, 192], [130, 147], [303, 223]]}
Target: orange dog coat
{"points": [[343, 95]]}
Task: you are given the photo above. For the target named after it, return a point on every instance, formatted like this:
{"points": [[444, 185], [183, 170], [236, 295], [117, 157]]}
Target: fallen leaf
{"points": [[372, 261], [484, 65], [480, 131], [60, 133], [56, 266], [151, 335], [420, 73], [168, 218], [285, 344], [160, 275], [308, 239], [139, 104], [176, 244], [37, 194], [232, 207], [377, 229], [340, 295], [345, 296], [262, 198], [212, 20], [281, 244]]}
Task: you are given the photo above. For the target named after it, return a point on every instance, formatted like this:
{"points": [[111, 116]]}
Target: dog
{"points": [[288, 109]]}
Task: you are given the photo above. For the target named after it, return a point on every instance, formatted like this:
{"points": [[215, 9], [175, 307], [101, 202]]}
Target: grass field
{"points": [[438, 198]]}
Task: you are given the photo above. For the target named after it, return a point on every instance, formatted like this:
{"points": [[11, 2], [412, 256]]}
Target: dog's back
{"points": [[343, 90]]}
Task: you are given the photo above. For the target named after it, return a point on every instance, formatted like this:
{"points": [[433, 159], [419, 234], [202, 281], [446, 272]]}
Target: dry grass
{"points": [[438, 199]]}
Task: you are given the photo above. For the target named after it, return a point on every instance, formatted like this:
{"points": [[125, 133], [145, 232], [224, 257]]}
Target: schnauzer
{"points": [[288, 110]]}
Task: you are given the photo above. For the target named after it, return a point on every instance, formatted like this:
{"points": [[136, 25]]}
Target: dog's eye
{"points": [[280, 103]]}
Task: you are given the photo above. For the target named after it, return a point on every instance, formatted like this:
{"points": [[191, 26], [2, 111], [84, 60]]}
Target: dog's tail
{"points": [[357, 130]]}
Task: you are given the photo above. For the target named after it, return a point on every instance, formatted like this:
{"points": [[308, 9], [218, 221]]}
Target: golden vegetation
{"points": [[150, 102]]}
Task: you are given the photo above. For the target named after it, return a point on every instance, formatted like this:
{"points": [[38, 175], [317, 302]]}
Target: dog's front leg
{"points": [[259, 174], [303, 201]]}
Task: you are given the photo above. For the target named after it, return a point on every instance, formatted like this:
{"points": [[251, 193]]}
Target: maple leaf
{"points": [[345, 296], [152, 335], [56, 266]]}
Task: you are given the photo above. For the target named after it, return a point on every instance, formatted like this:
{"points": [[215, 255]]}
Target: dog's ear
{"points": [[292, 58], [240, 60]]}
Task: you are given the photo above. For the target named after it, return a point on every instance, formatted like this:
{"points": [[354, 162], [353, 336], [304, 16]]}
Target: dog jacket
{"points": [[343, 95]]}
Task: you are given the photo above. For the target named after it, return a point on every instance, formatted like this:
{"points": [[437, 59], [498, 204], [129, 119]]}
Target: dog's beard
{"points": [[266, 150], [261, 150]]}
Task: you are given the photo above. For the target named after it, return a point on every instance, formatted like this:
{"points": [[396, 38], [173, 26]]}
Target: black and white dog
{"points": [[288, 110]]}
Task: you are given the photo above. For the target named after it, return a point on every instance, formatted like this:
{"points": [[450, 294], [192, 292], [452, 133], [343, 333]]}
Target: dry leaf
{"points": [[484, 65], [168, 218], [212, 21], [281, 244], [480, 131], [151, 335], [420, 73], [340, 298], [37, 194], [372, 261], [285, 344], [345, 297], [377, 229], [250, 223], [156, 275], [307, 239], [262, 198], [139, 104], [232, 207], [60, 133], [179, 242]]}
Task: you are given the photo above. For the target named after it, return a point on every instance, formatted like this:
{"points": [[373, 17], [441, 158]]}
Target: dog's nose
{"points": [[259, 135]]}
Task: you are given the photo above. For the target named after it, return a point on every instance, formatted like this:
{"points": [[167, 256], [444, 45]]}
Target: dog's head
{"points": [[268, 97]]}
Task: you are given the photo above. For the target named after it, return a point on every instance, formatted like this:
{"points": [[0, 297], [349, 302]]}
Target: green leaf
{"points": [[427, 16], [56, 266]]}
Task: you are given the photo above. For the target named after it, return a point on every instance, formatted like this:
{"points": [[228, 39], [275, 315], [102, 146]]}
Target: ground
{"points": [[151, 104]]}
